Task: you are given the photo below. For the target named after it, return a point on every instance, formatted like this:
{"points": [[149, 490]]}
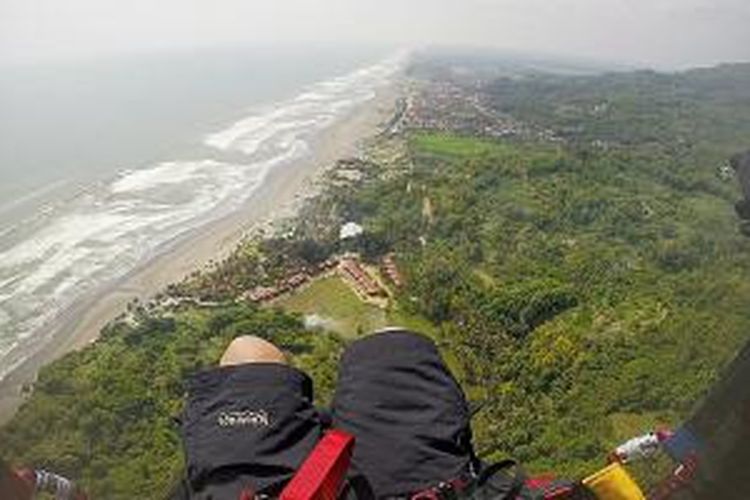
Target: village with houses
{"points": [[371, 285], [446, 106]]}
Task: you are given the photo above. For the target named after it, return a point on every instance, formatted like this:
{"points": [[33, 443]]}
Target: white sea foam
{"points": [[164, 173], [321, 104], [71, 248]]}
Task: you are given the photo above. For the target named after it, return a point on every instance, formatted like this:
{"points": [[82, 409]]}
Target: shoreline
{"points": [[276, 198]]}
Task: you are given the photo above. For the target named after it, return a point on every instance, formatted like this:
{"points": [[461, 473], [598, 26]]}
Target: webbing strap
{"points": [[323, 472]]}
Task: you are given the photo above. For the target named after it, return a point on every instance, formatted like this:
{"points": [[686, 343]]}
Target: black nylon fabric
{"points": [[248, 425], [408, 413]]}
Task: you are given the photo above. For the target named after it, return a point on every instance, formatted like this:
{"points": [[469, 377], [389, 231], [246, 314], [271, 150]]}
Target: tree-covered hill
{"points": [[586, 297], [697, 111]]}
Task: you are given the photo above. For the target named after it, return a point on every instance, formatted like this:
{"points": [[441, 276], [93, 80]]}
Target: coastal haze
{"points": [[663, 33], [61, 120], [76, 219]]}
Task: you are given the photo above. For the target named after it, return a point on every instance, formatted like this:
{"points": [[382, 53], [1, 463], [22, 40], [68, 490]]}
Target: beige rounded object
{"points": [[250, 349]]}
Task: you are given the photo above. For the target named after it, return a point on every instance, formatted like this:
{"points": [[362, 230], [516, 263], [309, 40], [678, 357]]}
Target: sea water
{"points": [[103, 163]]}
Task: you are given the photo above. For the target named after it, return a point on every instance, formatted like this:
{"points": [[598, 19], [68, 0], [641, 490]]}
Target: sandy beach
{"points": [[279, 197]]}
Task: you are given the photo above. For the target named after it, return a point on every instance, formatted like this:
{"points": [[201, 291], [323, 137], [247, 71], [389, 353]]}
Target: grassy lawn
{"points": [[337, 305], [454, 145], [332, 300]]}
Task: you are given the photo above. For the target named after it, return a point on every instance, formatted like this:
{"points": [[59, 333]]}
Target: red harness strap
{"points": [[323, 472]]}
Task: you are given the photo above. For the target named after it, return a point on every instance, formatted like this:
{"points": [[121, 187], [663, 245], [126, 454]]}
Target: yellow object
{"points": [[614, 483]]}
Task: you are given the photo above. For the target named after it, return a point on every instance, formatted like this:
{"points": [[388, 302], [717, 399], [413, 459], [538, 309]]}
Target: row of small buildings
{"points": [[349, 267], [390, 270], [365, 285]]}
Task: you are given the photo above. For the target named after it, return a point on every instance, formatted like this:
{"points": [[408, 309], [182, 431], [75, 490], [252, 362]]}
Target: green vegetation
{"points": [[584, 289], [455, 146], [336, 306], [575, 285]]}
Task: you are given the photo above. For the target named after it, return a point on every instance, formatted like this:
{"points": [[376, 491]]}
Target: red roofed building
{"points": [[262, 294], [363, 282], [391, 270], [296, 280]]}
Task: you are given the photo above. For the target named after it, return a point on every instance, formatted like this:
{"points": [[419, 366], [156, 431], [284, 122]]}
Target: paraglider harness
{"points": [[322, 476]]}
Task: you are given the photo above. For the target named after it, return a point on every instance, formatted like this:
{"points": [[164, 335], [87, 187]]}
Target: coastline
{"points": [[277, 198]]}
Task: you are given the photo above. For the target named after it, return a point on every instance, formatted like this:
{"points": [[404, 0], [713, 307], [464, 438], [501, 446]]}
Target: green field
{"points": [[334, 302], [451, 145]]}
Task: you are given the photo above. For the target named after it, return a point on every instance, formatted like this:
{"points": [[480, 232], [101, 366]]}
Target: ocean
{"points": [[103, 163]]}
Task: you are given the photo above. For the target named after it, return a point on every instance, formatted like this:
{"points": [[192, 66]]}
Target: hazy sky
{"points": [[653, 32]]}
